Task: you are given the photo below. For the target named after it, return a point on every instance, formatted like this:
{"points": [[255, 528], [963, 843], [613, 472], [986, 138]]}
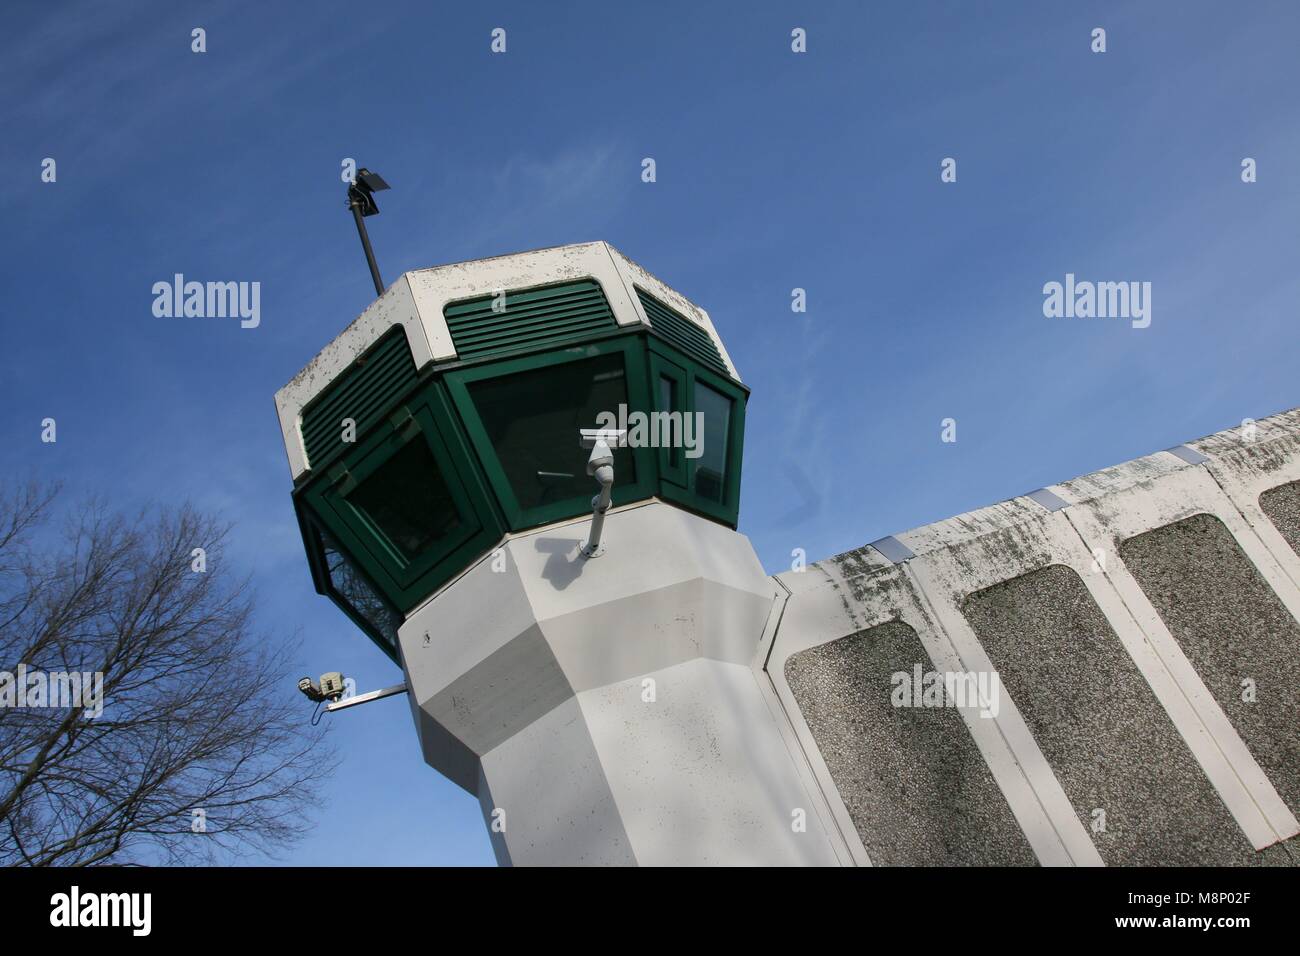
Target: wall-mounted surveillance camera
{"points": [[330, 687], [601, 467], [613, 437]]}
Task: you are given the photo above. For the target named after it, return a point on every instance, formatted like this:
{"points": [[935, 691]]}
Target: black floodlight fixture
{"points": [[361, 201], [366, 185]]}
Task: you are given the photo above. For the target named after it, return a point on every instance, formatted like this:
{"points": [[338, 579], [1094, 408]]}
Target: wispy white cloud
{"points": [[575, 191]]}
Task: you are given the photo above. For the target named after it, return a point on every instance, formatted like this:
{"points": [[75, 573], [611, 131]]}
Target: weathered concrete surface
{"points": [[1282, 505], [1120, 626], [1235, 630], [416, 300], [608, 712], [1131, 778], [916, 786]]}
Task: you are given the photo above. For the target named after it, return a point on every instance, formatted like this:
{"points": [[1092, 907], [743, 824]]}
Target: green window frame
{"points": [[519, 517], [375, 615], [671, 387], [380, 621], [679, 476], [406, 578], [402, 536]]}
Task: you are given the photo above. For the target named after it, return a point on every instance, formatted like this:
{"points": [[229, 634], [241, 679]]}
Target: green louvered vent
{"points": [[364, 393], [682, 332], [546, 316]]}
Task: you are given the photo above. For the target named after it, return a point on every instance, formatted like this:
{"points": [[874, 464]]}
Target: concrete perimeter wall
{"points": [[1136, 632]]}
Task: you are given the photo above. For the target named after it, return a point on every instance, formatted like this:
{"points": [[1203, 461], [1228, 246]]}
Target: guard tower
{"points": [[604, 709]]}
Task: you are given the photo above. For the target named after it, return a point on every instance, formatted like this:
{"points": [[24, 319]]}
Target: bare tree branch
{"points": [[199, 718]]}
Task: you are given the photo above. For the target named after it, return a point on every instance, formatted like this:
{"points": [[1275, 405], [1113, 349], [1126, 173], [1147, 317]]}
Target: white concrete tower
{"points": [[605, 710]]}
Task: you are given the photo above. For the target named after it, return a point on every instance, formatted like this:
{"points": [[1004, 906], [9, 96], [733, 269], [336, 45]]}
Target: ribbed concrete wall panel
{"points": [[1282, 505], [1251, 463], [913, 780], [1119, 644], [1129, 775], [856, 593], [1239, 637]]}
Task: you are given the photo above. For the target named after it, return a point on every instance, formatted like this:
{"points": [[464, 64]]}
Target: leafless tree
{"points": [[201, 749]]}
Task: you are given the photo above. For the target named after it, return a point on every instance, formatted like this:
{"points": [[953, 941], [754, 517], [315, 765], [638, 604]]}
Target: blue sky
{"points": [[774, 171]]}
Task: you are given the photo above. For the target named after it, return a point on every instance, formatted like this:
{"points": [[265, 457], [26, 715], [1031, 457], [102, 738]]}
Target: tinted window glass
{"points": [[354, 590], [711, 466], [532, 419], [668, 403], [407, 501]]}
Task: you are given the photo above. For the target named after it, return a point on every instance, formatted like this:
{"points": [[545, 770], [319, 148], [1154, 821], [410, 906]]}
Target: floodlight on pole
{"points": [[361, 201]]}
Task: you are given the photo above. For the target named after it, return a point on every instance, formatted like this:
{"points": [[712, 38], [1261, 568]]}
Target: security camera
{"points": [[601, 467], [601, 441], [601, 457], [330, 687], [613, 437]]}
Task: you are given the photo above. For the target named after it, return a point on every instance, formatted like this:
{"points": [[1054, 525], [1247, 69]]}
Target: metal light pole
{"points": [[361, 201]]}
